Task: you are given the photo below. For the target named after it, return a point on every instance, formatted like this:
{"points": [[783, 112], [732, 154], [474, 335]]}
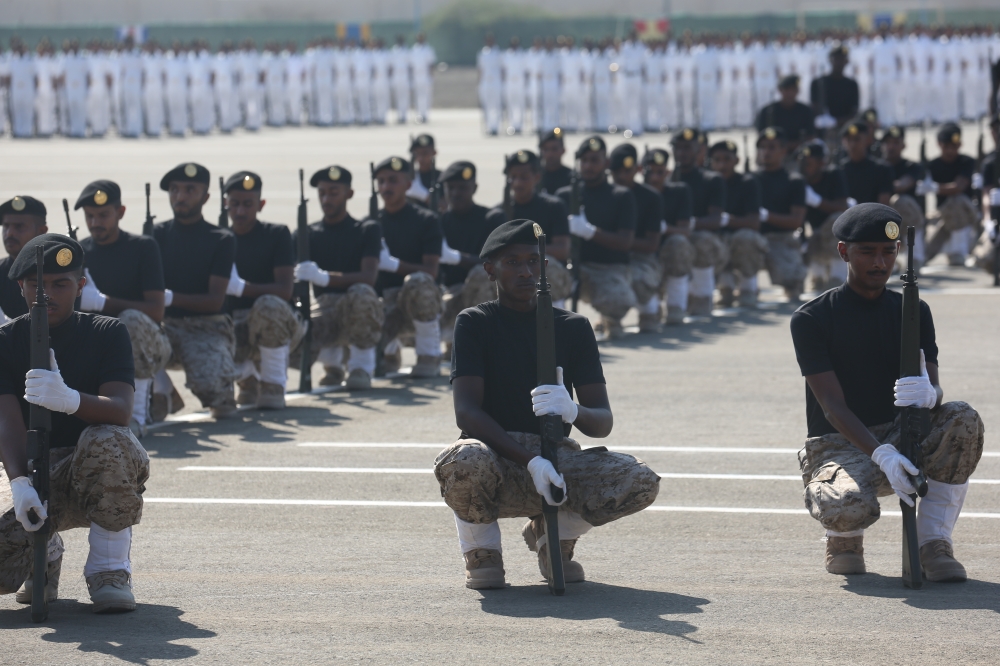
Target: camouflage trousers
{"points": [[608, 289], [419, 299], [271, 322], [601, 485], [709, 250], [352, 318], [957, 213], [99, 481], [676, 256], [784, 259], [985, 252], [821, 248], [842, 484], [747, 251], [150, 345], [911, 212], [477, 288], [204, 347], [647, 275]]}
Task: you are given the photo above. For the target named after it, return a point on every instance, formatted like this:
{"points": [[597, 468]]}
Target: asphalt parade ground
{"points": [[318, 535]]}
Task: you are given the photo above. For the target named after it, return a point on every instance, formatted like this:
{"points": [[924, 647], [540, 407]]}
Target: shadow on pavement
{"points": [[138, 637], [638, 610], [970, 595]]}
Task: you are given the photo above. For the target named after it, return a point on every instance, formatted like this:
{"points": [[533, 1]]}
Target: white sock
{"points": [[363, 359], [246, 369], [559, 303], [162, 383], [677, 292], [473, 536], [938, 512], [109, 551], [838, 270], [274, 365], [748, 284], [572, 526], [852, 533], [427, 337], [331, 357], [652, 306], [140, 405], [703, 282]]}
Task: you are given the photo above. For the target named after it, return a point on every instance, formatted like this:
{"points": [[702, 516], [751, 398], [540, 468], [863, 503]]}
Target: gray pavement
{"points": [[342, 565]]}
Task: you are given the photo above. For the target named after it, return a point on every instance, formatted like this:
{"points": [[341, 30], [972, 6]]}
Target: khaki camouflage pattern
{"points": [[784, 259], [601, 485], [477, 288], [150, 345], [957, 213], [984, 252], [821, 247], [747, 252], [842, 484], [418, 299], [647, 274], [204, 346], [352, 318], [100, 481], [271, 322], [910, 211], [677, 256], [709, 250], [608, 289]]}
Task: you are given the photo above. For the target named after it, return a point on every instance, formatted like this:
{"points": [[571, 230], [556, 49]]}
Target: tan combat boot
{"points": [[270, 396], [612, 329], [426, 367], [52, 572], [333, 375], [649, 323], [700, 306], [845, 555], [392, 362], [484, 569], [248, 391], [111, 591], [939, 564], [358, 380], [726, 297], [534, 535], [675, 315], [224, 410]]}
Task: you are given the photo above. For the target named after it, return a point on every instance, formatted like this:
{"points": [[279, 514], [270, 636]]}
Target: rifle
{"points": [[69, 222], [373, 214], [508, 205], [923, 145], [995, 216], [40, 425], [147, 226], [550, 425], [914, 422], [373, 199], [746, 154], [223, 213], [302, 289], [576, 243]]}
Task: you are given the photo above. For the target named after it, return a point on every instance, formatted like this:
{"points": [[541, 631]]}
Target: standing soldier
{"points": [[906, 176], [399, 61], [251, 93], [555, 175], [153, 85], [489, 70], [423, 153], [176, 77], [380, 82], [515, 85], [793, 117], [131, 67], [548, 88], [361, 59], [22, 218], [835, 97], [422, 61], [21, 86], [950, 178], [826, 199], [76, 82], [782, 211]]}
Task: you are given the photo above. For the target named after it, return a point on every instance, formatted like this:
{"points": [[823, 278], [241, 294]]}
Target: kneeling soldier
{"points": [[22, 218], [494, 470], [98, 468]]}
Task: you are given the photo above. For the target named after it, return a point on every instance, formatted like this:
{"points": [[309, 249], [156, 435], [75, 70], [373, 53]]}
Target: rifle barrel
{"points": [[40, 424]]}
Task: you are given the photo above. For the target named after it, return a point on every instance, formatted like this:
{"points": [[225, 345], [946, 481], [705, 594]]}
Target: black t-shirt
{"points": [[831, 185], [989, 171], [648, 210], [779, 191], [340, 247], [11, 298], [501, 346], [914, 170], [867, 179], [742, 195], [859, 340], [411, 232], [547, 210], [466, 232], [707, 189], [839, 95], [797, 121], [610, 208], [126, 268], [947, 172], [192, 253], [678, 204], [553, 181], [90, 349], [265, 247]]}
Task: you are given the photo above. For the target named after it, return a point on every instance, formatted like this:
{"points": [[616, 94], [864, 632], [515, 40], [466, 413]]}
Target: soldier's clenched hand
{"points": [[916, 391], [309, 271], [91, 298], [47, 389], [544, 476], [896, 466], [554, 399], [25, 500]]}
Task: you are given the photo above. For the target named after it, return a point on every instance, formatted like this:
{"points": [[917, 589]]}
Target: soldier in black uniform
{"points": [[984, 252], [951, 177], [343, 265], [425, 181], [555, 174], [826, 199], [795, 118], [782, 212], [906, 175], [98, 468], [868, 180], [835, 96], [23, 218]]}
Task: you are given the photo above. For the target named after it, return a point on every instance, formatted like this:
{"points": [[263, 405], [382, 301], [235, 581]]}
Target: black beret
{"points": [[421, 141], [247, 181], [594, 144], [727, 145], [460, 170], [870, 116], [393, 164], [868, 223], [686, 134], [624, 156], [189, 172], [788, 81], [771, 134], [21, 205], [839, 49], [331, 174], [521, 157], [854, 128], [655, 156], [815, 148], [62, 255], [895, 131], [552, 135], [949, 133], [99, 193], [514, 232]]}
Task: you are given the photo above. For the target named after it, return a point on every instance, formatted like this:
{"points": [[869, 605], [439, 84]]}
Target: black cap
{"points": [[839, 50], [393, 164], [246, 181], [99, 193], [594, 144], [895, 132], [656, 156], [771, 134], [686, 134], [521, 157], [331, 174], [727, 145], [788, 81], [854, 128], [868, 223], [815, 148], [624, 156], [22, 205], [189, 172], [62, 255], [949, 133], [870, 116], [461, 170], [514, 232], [421, 141], [552, 135]]}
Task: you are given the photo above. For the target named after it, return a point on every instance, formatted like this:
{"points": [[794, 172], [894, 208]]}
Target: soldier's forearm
{"points": [[478, 424]]}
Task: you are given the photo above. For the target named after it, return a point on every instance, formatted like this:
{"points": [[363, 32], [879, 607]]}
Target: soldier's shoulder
{"points": [[645, 191], [621, 192], [565, 190], [102, 324], [480, 313]]}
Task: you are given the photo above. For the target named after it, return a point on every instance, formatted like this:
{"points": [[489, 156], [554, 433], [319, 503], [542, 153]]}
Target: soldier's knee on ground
{"points": [[271, 322], [420, 297], [469, 478], [838, 502], [108, 473], [709, 250], [608, 289], [747, 252], [361, 316], [677, 256], [478, 288]]}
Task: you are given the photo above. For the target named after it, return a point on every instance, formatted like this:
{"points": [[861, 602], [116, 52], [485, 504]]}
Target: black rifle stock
{"points": [[550, 425], [223, 213], [508, 205], [373, 214], [575, 201], [373, 199], [69, 223], [746, 154], [995, 216], [40, 426], [302, 288], [914, 421], [147, 226]]}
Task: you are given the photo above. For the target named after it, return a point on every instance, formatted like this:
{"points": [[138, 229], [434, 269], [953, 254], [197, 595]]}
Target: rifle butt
{"points": [[913, 577], [557, 579], [39, 578]]}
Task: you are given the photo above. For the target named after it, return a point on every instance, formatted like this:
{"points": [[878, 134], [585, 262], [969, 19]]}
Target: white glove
{"points": [[26, 499], [554, 399], [764, 214], [168, 297], [448, 255], [387, 262], [992, 226], [724, 220], [895, 466], [813, 200], [309, 271], [544, 475], [579, 226], [927, 186], [851, 202], [236, 284], [663, 226], [995, 196], [825, 121], [47, 389], [3, 318], [91, 299], [977, 181], [916, 391]]}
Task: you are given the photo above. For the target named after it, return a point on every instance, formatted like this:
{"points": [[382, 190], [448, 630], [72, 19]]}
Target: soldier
{"points": [[98, 469], [423, 152], [176, 81], [606, 224], [125, 280], [400, 72], [950, 178], [197, 267], [515, 87], [258, 295], [985, 253], [153, 74], [782, 211], [868, 180], [75, 73], [847, 346], [22, 218], [489, 66], [906, 175], [826, 199], [835, 97], [408, 268], [131, 66], [793, 117], [422, 61], [343, 266], [555, 174]]}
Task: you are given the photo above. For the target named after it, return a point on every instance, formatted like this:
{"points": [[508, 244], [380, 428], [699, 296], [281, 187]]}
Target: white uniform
{"points": [[345, 86], [687, 86], [670, 99], [861, 64], [602, 59], [176, 67], [726, 88], [21, 69], [742, 91], [884, 83], [224, 87], [765, 75], [549, 91], [708, 86], [294, 88], [490, 87], [532, 70], [569, 89], [323, 81], [654, 89], [46, 116], [399, 60], [152, 91], [362, 65], [130, 69], [98, 97], [76, 68], [113, 67], [630, 71], [514, 84], [586, 91], [422, 58], [251, 92], [380, 85], [274, 86], [200, 95]]}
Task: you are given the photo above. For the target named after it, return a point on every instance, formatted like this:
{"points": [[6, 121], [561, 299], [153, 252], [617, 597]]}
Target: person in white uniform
{"points": [[380, 83], [765, 74], [99, 92], [362, 65], [886, 67], [224, 87], [513, 64], [153, 87], [344, 84], [548, 83], [295, 82], [709, 79], [323, 78], [130, 75], [601, 59], [251, 90], [46, 76], [570, 86], [532, 70], [422, 64], [21, 85], [200, 96], [75, 75], [176, 66], [273, 65], [488, 68]]}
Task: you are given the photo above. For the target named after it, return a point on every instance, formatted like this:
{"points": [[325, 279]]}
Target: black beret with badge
{"points": [[788, 81], [950, 133], [771, 134], [99, 193], [552, 135], [421, 141], [854, 128], [727, 145], [657, 156], [594, 144], [894, 132], [243, 181], [393, 164], [624, 156], [459, 171], [686, 134], [331, 174], [189, 172], [62, 255], [521, 157], [839, 50], [868, 223], [23, 205], [514, 232], [815, 148]]}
